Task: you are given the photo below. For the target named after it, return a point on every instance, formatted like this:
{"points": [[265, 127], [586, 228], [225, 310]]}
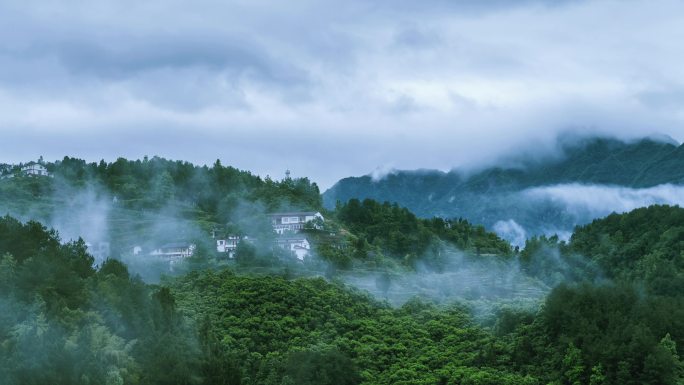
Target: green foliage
{"points": [[624, 331], [320, 368], [646, 244], [309, 331], [597, 375], [467, 236], [554, 261], [390, 227], [573, 368], [399, 233]]}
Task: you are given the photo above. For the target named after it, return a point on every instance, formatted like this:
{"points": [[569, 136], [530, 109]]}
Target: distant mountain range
{"points": [[590, 177]]}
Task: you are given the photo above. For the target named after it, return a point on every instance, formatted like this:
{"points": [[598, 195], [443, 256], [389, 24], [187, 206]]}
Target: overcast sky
{"points": [[330, 89]]}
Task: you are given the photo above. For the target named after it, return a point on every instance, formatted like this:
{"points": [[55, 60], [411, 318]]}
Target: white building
{"points": [[293, 221], [175, 251], [228, 245], [34, 169], [297, 245]]}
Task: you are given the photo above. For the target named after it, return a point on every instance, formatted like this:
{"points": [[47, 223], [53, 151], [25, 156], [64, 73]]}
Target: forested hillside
{"points": [[604, 307], [519, 188], [65, 322], [154, 201], [620, 311], [645, 245], [154, 183], [311, 332], [396, 232]]}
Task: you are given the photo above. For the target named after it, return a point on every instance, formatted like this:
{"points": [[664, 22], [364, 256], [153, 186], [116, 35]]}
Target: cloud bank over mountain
{"points": [[598, 201], [526, 196], [331, 89]]}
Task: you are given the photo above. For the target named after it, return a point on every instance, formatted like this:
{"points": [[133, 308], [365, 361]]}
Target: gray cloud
{"points": [[669, 97], [333, 89]]}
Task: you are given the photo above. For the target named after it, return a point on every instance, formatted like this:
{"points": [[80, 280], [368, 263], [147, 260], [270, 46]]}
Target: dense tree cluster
{"points": [[63, 322], [307, 331], [400, 234], [611, 331], [217, 189], [218, 193], [645, 245], [621, 318]]}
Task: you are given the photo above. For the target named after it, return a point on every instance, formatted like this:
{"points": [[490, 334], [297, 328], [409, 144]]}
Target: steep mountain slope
{"points": [[519, 190]]}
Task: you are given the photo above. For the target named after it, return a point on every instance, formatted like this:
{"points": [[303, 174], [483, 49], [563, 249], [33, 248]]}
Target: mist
{"points": [[481, 283], [511, 231], [89, 211], [594, 201], [74, 212], [557, 209]]}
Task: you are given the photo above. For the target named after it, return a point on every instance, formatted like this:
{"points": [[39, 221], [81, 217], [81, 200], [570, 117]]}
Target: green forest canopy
{"points": [[64, 322], [614, 317]]}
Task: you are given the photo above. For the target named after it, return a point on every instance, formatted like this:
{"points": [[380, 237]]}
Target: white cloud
{"points": [[511, 231], [594, 201]]}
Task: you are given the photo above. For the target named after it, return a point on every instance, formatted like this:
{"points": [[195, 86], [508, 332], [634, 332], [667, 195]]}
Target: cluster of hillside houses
{"points": [[288, 227]]}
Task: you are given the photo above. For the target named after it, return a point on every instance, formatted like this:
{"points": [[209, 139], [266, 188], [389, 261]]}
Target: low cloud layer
{"points": [[482, 284], [557, 209], [511, 231], [594, 201], [331, 89]]}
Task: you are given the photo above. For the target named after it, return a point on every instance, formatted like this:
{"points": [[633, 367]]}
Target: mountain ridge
{"points": [[494, 193]]}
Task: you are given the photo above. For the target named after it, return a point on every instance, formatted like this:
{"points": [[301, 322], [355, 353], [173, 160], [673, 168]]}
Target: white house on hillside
{"points": [[175, 251], [293, 221], [298, 245], [34, 169], [228, 245]]}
